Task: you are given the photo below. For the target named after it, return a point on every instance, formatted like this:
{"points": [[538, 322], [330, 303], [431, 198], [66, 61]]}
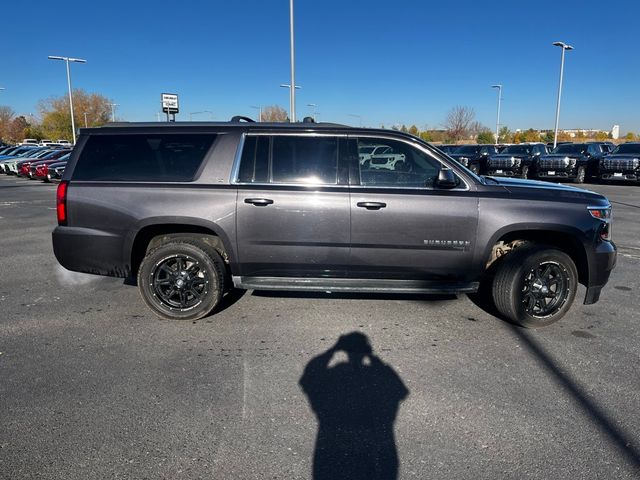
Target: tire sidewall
{"points": [[531, 261], [200, 253]]}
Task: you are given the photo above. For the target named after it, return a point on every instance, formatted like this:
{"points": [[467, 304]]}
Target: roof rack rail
{"points": [[239, 118]]}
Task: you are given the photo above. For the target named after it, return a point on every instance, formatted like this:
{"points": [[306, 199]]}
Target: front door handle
{"points": [[371, 205], [259, 202]]}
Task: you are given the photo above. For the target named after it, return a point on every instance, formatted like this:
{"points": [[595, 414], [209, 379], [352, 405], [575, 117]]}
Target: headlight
{"points": [[464, 161], [572, 162], [517, 162]]}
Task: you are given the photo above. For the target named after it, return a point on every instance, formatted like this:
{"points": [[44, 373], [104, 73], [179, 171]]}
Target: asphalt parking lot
{"points": [[92, 385]]}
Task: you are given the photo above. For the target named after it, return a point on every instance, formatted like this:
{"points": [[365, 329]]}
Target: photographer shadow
{"points": [[356, 402]]}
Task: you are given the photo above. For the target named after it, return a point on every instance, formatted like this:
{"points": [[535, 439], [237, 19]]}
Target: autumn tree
{"points": [[630, 136], [16, 130], [413, 130], [6, 116], [458, 122], [505, 135], [56, 118], [602, 136], [274, 113]]}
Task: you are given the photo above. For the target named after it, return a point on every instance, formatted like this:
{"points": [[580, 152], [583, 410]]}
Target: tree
{"points": [[486, 136], [413, 130], [458, 122], [56, 118], [530, 135], [548, 137], [16, 131], [602, 136], [505, 135], [6, 116], [274, 113], [630, 136]]}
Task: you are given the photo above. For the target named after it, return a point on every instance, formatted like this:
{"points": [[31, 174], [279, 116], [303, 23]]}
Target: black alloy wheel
{"points": [[546, 289], [182, 279]]}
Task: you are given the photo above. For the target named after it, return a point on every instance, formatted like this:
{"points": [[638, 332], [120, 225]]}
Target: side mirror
{"points": [[446, 178]]}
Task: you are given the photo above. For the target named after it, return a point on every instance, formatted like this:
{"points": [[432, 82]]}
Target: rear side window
{"points": [[146, 157], [289, 160]]}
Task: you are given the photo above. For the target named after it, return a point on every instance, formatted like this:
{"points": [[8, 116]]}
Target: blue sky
{"points": [[388, 62]]}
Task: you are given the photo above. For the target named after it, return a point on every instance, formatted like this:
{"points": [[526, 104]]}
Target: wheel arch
{"points": [[161, 229], [565, 239]]}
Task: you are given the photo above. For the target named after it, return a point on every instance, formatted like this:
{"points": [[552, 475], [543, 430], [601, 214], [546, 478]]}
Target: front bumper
{"points": [[628, 175], [601, 263]]}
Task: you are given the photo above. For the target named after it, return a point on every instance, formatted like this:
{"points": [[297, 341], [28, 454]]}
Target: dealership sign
{"points": [[169, 102]]}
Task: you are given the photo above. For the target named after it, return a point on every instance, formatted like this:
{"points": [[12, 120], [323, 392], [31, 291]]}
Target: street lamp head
{"points": [[55, 57], [77, 60], [496, 86], [563, 45]]}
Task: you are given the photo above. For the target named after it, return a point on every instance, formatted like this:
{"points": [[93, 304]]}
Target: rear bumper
{"points": [[90, 251], [601, 263]]}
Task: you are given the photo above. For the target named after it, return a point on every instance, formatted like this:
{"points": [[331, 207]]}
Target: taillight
{"points": [[61, 202]]}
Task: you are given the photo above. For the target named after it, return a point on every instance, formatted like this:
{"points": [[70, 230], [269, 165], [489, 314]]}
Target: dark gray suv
{"points": [[192, 210]]}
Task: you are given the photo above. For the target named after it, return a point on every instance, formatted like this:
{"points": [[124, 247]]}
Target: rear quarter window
{"points": [[142, 157]]}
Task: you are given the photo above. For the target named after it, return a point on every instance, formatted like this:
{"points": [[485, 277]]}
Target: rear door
{"points": [[293, 206], [402, 225]]}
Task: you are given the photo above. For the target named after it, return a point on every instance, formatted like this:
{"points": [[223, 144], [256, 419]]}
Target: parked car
{"points": [[38, 170], [8, 162], [30, 141], [56, 171], [571, 161], [474, 157], [515, 160], [623, 163], [21, 165], [365, 152], [192, 211], [64, 143]]}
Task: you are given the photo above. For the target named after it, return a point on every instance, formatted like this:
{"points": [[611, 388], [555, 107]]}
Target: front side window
{"points": [[289, 160], [142, 157], [400, 166]]}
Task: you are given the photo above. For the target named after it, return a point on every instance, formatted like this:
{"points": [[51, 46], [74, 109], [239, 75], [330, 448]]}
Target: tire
{"points": [[580, 175], [528, 301], [475, 169], [525, 172], [182, 279]]}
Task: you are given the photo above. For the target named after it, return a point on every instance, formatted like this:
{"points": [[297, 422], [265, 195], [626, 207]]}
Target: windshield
{"points": [[570, 148], [366, 150], [468, 149], [632, 148], [518, 149]]}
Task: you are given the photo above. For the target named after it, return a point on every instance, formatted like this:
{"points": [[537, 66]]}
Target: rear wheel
{"points": [[535, 286], [182, 279]]}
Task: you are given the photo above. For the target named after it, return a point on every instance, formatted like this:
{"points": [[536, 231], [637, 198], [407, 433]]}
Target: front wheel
{"points": [[535, 287], [580, 175], [182, 279], [525, 172]]}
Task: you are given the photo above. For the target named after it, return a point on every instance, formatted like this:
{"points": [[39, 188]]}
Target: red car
{"points": [[30, 168]]}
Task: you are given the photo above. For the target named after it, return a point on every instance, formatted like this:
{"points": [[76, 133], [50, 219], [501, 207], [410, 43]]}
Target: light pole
{"points": [[85, 120], [314, 110], [292, 91], [113, 111], [564, 47], [292, 114], [67, 60], [191, 114], [499, 87], [259, 111]]}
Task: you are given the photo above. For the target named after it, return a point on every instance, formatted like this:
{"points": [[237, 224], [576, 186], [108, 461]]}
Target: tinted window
{"points": [[254, 165], [145, 157], [518, 149], [304, 160], [401, 166], [631, 148], [467, 149], [289, 159], [570, 148]]}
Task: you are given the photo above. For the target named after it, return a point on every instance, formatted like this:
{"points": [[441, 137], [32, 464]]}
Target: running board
{"points": [[364, 285]]}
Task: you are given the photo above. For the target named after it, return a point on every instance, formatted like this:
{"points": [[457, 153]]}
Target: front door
{"points": [[402, 225], [293, 207]]}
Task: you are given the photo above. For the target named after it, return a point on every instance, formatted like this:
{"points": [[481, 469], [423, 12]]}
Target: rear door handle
{"points": [[259, 202], [371, 205]]}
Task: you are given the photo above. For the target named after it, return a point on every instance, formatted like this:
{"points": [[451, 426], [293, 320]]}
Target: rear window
{"points": [[149, 157]]}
